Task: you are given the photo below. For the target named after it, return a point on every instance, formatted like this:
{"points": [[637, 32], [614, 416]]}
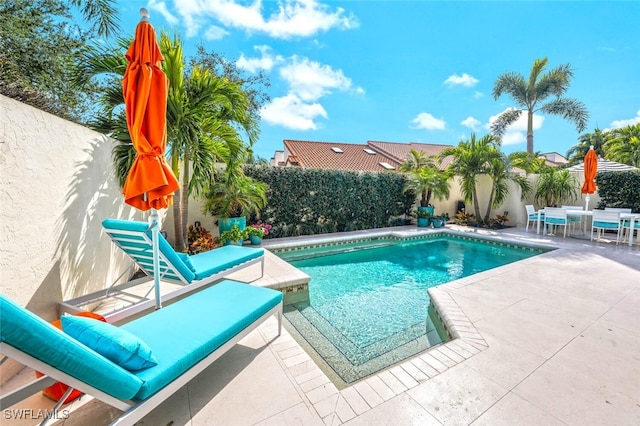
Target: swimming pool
{"points": [[368, 304]]}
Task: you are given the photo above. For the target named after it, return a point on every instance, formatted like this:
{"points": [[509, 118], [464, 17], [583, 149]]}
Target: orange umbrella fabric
{"points": [[151, 182], [590, 170]]}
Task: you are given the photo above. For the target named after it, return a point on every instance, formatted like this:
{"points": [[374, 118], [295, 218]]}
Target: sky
{"points": [[413, 71]]}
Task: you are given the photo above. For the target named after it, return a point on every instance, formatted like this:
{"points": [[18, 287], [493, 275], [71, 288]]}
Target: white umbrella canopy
{"points": [[604, 165]]}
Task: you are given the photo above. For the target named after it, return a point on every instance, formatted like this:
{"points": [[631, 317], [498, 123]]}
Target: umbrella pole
{"points": [[586, 202], [154, 224]]}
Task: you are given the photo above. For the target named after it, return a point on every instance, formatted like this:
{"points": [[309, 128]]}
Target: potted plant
{"points": [[257, 231], [234, 196], [233, 236], [438, 221], [424, 218]]}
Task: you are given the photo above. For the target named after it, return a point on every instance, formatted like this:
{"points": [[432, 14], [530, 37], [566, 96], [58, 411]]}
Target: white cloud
{"points": [[424, 120], [471, 123], [461, 80], [215, 33], [478, 95], [161, 8], [616, 124], [291, 112], [292, 18], [310, 80], [517, 132], [266, 62]]}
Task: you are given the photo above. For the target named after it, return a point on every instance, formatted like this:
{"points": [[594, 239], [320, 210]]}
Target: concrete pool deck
{"points": [[553, 340]]}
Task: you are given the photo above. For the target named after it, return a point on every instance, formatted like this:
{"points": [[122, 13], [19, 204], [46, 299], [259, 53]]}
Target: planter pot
{"points": [[225, 224], [423, 222], [256, 241], [437, 223], [429, 209]]}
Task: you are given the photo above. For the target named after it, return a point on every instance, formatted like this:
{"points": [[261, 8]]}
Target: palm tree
{"points": [[416, 161], [555, 186], [499, 169], [597, 140], [470, 159], [204, 113], [103, 15], [624, 145], [429, 181], [529, 95]]}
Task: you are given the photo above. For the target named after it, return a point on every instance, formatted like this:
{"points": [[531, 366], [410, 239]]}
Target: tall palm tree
{"points": [[624, 145], [102, 14], [204, 115], [499, 169], [529, 95], [597, 140], [470, 159]]}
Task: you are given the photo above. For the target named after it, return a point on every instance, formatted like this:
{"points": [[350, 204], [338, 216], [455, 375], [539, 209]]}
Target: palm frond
{"points": [[504, 120], [570, 109]]}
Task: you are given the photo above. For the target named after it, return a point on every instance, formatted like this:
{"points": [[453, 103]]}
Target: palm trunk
{"points": [[184, 211], [530, 132], [179, 243], [476, 205], [486, 216]]}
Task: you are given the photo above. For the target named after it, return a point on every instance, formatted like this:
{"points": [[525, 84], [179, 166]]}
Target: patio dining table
{"points": [[589, 213]]}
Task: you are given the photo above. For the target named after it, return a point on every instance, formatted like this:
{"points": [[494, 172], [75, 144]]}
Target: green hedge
{"points": [[312, 201], [619, 189]]}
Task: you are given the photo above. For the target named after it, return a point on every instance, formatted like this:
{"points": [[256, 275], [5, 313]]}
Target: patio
{"points": [[550, 340]]}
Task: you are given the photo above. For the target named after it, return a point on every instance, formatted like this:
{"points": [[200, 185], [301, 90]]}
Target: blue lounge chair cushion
{"points": [[200, 324], [114, 343], [217, 260], [36, 337], [185, 259], [555, 220]]}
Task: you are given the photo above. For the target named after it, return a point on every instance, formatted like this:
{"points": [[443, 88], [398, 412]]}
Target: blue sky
{"points": [[413, 71]]}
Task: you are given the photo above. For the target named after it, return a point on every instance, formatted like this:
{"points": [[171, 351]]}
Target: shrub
{"points": [[619, 189]]}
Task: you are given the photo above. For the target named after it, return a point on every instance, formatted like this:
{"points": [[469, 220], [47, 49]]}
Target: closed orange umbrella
{"points": [[590, 170], [151, 182]]}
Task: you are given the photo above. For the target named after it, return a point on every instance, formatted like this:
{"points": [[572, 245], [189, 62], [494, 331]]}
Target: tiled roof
{"points": [[314, 154], [320, 155]]}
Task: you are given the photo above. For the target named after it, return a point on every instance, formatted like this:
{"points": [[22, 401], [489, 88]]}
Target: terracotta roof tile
{"points": [[316, 154]]}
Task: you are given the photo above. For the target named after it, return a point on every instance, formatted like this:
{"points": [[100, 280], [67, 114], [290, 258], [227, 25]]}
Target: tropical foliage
{"points": [[529, 95], [623, 145], [40, 47], [235, 195], [424, 177], [597, 140], [555, 186]]}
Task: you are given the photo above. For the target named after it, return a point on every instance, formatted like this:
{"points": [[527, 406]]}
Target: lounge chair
{"points": [[190, 272], [184, 339]]}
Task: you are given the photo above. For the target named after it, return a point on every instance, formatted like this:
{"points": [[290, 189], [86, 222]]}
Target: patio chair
{"points": [[532, 215], [556, 217], [182, 340], [606, 220], [617, 209], [626, 229], [572, 219], [189, 272]]}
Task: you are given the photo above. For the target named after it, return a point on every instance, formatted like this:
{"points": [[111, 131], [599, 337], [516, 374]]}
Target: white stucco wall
{"points": [[57, 185]]}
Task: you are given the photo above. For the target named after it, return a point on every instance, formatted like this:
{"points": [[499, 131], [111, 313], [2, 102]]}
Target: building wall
{"points": [[58, 185]]}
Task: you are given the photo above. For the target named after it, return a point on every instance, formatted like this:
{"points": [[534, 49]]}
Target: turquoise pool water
{"points": [[368, 303]]}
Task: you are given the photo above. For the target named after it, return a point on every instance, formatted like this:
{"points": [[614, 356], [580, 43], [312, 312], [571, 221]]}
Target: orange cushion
{"points": [[58, 389]]}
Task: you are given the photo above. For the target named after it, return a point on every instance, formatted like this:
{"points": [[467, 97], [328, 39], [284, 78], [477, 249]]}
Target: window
{"points": [[386, 165], [369, 151], [337, 150]]}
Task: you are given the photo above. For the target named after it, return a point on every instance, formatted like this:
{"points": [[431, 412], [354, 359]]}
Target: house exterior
{"points": [[373, 156], [553, 159]]}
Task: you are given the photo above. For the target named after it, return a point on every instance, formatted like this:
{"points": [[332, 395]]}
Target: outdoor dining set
{"points": [[619, 220]]}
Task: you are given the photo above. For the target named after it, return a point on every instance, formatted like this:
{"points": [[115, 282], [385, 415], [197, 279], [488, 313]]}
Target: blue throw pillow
{"points": [[185, 259], [117, 345]]}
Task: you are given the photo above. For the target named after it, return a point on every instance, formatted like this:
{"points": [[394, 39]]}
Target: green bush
{"points": [[619, 189], [313, 201]]}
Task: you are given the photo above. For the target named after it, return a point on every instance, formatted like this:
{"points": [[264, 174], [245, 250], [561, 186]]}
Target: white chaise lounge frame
{"points": [[145, 302]]}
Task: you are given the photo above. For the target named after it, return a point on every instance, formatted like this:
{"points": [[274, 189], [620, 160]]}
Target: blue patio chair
{"points": [[604, 220], [532, 215], [556, 217]]}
